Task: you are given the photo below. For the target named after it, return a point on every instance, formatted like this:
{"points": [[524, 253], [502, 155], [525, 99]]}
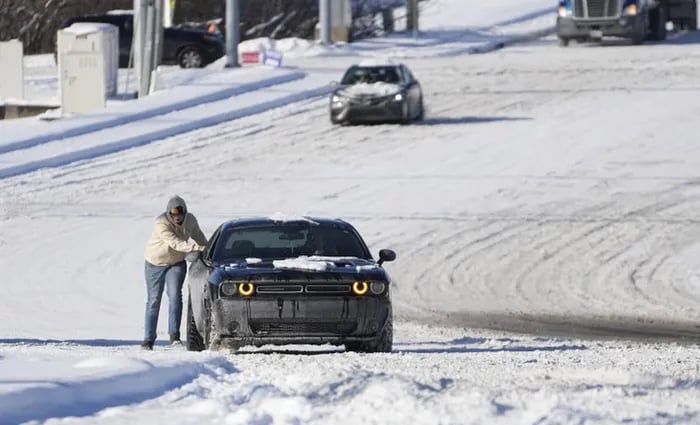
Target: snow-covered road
{"points": [[552, 191]]}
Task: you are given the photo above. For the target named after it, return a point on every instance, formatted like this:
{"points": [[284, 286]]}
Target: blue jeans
{"points": [[171, 278]]}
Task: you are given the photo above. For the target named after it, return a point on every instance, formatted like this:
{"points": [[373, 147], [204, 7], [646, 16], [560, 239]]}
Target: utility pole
{"points": [[412, 17], [233, 28], [324, 17], [139, 43], [159, 13], [147, 55]]}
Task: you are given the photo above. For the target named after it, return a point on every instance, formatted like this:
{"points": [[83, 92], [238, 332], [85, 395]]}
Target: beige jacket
{"points": [[169, 242]]}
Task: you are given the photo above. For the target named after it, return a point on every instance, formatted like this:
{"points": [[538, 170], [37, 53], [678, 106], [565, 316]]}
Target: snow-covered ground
{"points": [[544, 220]]}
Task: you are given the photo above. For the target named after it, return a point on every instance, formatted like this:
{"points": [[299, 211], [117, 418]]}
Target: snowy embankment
{"points": [[63, 384]]}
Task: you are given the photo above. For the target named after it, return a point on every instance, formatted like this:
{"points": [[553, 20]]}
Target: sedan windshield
{"points": [[288, 241], [371, 74]]}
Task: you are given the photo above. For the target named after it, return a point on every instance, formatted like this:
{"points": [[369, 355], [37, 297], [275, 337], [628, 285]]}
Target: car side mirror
{"points": [[193, 256], [386, 255]]}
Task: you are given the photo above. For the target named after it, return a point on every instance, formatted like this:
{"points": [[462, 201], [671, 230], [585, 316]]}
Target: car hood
{"points": [[365, 89], [333, 268]]}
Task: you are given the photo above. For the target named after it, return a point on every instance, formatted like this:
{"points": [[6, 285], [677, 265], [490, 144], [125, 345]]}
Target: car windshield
{"points": [[371, 74], [288, 240]]}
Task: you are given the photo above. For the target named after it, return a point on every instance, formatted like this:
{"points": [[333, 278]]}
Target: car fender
{"points": [[199, 293]]}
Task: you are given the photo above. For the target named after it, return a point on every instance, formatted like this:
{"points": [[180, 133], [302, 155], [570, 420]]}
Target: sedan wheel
{"points": [[405, 112], [190, 57]]}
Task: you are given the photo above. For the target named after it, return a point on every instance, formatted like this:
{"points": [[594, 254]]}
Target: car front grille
{"points": [[368, 101], [596, 8], [279, 289], [269, 328]]}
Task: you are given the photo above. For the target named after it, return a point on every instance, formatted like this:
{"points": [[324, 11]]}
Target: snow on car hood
{"points": [[321, 263], [303, 263], [373, 89]]}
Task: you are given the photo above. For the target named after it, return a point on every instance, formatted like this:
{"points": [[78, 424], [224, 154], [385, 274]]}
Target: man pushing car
{"points": [[175, 233]]}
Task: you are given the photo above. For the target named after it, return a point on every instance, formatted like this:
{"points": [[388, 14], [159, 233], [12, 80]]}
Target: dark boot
{"points": [[175, 339], [147, 345]]}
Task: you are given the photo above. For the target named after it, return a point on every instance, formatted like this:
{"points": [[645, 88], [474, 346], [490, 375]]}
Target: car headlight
{"points": [[630, 10], [228, 289], [398, 97], [246, 289], [337, 99], [360, 288], [377, 287]]}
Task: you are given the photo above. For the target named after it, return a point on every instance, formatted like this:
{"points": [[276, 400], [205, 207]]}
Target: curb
{"points": [[150, 113], [144, 139]]}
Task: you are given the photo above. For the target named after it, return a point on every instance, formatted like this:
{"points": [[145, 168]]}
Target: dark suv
{"points": [[187, 47]]}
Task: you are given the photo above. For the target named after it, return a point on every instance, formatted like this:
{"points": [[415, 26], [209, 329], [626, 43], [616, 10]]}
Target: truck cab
{"points": [[636, 20]]}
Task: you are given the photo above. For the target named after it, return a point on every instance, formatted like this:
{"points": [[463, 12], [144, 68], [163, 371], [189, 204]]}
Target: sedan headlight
{"points": [[398, 97], [337, 99]]}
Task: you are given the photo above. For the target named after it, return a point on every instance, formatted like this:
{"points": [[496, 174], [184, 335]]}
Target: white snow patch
{"points": [[303, 263], [376, 62], [281, 217], [82, 28]]}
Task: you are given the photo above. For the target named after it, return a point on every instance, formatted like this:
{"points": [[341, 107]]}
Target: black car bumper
{"points": [[368, 111], [624, 26], [300, 320]]}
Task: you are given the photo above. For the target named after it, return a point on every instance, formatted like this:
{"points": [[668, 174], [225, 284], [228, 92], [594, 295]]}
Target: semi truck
{"points": [[636, 20]]}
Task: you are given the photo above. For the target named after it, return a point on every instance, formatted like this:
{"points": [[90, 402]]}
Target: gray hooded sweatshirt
{"points": [[169, 242]]}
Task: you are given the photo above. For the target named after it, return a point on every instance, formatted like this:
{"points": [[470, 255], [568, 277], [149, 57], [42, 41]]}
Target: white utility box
{"points": [[88, 37], [82, 82], [11, 70]]}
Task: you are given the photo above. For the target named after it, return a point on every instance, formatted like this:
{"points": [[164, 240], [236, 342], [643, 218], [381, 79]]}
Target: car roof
{"points": [[279, 219]]}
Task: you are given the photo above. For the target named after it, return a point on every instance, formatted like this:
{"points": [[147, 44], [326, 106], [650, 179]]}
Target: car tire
{"points": [[563, 42], [383, 344], [195, 342], [405, 113], [190, 57], [421, 111], [657, 24], [386, 341]]}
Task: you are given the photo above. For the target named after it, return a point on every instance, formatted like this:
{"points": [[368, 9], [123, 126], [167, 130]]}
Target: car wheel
{"points": [[190, 57], [405, 113], [383, 344], [421, 110], [657, 24], [195, 342]]}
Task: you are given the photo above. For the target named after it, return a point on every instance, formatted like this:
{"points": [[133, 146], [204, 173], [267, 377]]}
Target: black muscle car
{"points": [[289, 281], [377, 92]]}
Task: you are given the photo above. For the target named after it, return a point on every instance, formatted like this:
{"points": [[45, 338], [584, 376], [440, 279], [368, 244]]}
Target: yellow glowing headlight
{"points": [[246, 289], [360, 288]]}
